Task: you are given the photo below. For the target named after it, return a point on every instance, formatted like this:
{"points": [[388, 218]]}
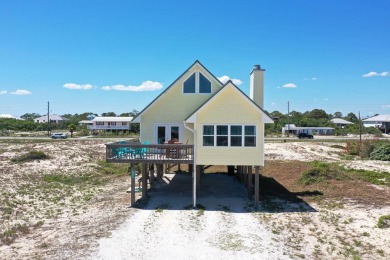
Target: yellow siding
{"points": [[229, 107], [174, 107]]}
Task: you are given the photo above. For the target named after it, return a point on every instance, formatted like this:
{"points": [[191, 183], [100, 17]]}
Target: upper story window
{"points": [[197, 83]]}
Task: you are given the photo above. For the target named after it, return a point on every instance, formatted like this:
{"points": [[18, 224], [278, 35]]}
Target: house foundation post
{"points": [[144, 180], [198, 171], [151, 177], [245, 173], [257, 189], [132, 174], [238, 172], [249, 171], [194, 186]]}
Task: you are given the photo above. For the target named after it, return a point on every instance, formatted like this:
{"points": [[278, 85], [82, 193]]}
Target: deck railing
{"points": [[151, 153]]}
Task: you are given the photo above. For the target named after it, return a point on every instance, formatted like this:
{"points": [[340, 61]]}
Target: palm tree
{"points": [[71, 128]]}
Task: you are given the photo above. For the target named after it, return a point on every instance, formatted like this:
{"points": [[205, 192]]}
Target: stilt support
{"points": [[144, 180], [257, 189], [132, 173]]}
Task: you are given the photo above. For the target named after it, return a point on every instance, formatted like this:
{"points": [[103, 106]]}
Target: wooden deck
{"points": [[130, 152]]}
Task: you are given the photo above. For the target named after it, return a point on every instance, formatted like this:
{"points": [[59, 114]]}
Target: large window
{"points": [[197, 83], [229, 135]]}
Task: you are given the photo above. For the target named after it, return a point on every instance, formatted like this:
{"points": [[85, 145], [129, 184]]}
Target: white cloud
{"points": [[77, 86], [325, 99], [21, 92], [145, 86], [313, 78], [375, 74], [273, 104], [225, 79], [3, 92], [385, 106], [289, 85]]}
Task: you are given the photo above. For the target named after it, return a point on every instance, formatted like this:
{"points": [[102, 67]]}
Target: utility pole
{"points": [[48, 119], [288, 118], [360, 129]]}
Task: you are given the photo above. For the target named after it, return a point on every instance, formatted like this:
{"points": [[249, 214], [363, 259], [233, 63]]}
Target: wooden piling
{"points": [[132, 173]]}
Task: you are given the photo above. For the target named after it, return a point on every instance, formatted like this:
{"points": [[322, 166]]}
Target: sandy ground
{"points": [[96, 223]]}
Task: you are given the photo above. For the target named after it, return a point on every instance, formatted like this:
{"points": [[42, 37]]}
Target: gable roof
{"points": [[341, 121], [378, 118], [52, 117], [137, 119], [112, 119], [192, 117]]}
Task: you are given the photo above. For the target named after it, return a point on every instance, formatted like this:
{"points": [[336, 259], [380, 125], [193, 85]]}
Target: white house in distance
{"points": [[108, 123], [10, 116], [315, 130], [381, 122], [339, 122], [53, 119]]}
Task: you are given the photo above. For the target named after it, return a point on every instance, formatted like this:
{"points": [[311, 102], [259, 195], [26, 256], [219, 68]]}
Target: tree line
{"points": [[28, 124], [316, 118]]}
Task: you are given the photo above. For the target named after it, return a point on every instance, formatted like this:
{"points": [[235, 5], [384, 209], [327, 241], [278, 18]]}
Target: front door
{"points": [[164, 133]]}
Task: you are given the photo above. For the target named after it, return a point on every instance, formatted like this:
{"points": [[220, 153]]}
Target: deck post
{"points": [[194, 186], [132, 173], [159, 171], [257, 186], [249, 171], [144, 180], [151, 176]]}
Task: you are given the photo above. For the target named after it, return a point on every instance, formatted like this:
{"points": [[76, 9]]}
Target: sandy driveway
{"points": [[165, 229]]}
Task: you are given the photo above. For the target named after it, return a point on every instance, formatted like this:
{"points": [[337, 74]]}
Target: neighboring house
{"points": [[222, 124], [295, 130], [53, 119], [381, 122], [10, 116], [108, 123], [339, 122]]}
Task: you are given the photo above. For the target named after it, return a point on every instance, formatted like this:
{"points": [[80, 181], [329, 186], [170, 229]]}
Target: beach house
{"points": [[200, 121]]}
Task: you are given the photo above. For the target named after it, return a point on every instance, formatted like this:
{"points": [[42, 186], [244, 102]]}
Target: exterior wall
{"points": [[229, 108], [173, 107]]}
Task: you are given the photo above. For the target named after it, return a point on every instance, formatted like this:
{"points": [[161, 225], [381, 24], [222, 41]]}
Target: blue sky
{"points": [[102, 56]]}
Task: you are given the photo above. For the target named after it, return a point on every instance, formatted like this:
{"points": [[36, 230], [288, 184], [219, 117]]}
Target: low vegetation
{"points": [[323, 171], [384, 221], [30, 156], [369, 149]]}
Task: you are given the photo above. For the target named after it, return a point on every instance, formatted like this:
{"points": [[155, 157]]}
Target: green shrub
{"points": [[384, 221], [322, 171], [30, 156], [381, 152]]}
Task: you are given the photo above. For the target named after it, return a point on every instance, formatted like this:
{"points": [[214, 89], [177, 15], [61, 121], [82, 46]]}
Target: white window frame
{"points": [[197, 80], [229, 135]]}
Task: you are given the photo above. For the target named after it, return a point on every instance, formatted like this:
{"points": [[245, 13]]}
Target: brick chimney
{"points": [[257, 85]]}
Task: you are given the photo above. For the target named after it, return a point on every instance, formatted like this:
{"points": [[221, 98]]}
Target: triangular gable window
{"points": [[197, 83], [189, 84], [204, 84]]}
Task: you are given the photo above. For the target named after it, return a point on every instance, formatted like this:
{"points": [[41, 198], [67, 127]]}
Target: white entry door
{"points": [[165, 132]]}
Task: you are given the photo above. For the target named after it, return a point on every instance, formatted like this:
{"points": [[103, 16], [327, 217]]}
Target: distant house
{"points": [[53, 119], [108, 123], [292, 129], [339, 122], [10, 116], [381, 122]]}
